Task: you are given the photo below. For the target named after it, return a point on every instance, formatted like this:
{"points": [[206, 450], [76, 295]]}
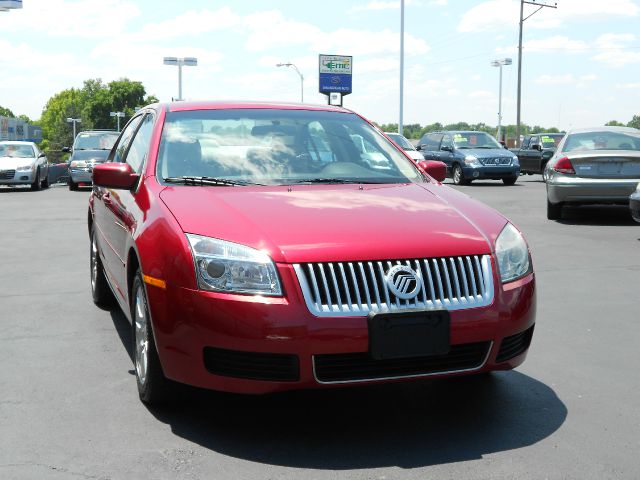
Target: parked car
{"points": [[252, 265], [90, 148], [405, 145], [593, 166], [470, 156], [22, 163], [536, 150], [634, 204]]}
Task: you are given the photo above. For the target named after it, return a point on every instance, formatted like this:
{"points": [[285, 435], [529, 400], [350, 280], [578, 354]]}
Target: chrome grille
{"points": [[496, 161], [354, 289], [7, 174]]}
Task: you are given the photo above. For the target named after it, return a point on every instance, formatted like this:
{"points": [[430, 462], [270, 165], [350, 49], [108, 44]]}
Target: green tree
{"points": [[635, 122], [614, 123], [55, 128], [5, 112]]}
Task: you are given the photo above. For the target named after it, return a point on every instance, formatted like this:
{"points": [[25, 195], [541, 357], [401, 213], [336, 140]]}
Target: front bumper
{"points": [[81, 175], [634, 205], [572, 189], [253, 335], [15, 177], [490, 172]]}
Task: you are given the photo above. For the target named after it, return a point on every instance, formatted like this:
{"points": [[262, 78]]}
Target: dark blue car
{"points": [[470, 156]]}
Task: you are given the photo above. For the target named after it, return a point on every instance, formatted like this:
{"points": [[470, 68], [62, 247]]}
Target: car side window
{"points": [[525, 143], [433, 142], [125, 138], [137, 153], [534, 141], [447, 141]]}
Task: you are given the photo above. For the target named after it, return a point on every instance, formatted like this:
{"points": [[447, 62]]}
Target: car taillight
{"points": [[564, 166]]}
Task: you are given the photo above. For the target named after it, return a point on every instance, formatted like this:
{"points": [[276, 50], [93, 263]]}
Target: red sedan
{"points": [[263, 247]]}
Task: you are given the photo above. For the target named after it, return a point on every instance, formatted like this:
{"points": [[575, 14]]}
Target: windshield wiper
{"points": [[329, 180], [192, 180]]}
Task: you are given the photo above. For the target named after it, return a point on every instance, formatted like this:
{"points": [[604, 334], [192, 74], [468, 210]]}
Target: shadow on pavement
{"points": [[603, 215]]}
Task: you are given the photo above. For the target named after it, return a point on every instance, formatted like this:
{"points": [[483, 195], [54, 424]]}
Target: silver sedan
{"points": [[593, 166], [22, 163]]}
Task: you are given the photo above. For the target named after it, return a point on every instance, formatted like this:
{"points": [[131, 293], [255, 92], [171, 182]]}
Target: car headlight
{"points": [[512, 254], [515, 160], [472, 161], [26, 168], [78, 164], [233, 268]]}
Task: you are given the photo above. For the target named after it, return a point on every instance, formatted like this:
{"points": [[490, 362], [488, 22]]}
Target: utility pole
{"points": [[401, 120], [540, 4]]}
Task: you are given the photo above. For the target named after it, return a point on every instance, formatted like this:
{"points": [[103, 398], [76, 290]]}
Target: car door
{"points": [[108, 219], [525, 155], [445, 153]]}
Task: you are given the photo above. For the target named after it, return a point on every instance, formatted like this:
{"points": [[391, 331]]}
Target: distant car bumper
{"points": [[15, 177], [571, 189], [491, 173], [634, 205], [81, 175]]}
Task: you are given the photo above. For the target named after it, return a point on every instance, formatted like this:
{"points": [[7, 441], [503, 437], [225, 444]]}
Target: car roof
{"points": [[97, 132], [230, 105], [16, 142], [604, 129]]}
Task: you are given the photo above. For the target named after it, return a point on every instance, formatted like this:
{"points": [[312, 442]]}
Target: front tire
{"points": [[510, 180], [45, 182], [554, 210], [100, 291], [458, 176], [37, 183], [153, 386], [73, 186]]}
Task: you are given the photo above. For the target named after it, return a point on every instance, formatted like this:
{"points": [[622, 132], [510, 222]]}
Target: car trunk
{"points": [[614, 164]]}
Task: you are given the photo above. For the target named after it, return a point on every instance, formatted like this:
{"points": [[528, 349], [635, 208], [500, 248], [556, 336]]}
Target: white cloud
{"points": [[190, 23], [613, 50], [79, 19], [629, 86], [480, 94], [556, 43], [496, 15], [377, 5], [565, 79]]}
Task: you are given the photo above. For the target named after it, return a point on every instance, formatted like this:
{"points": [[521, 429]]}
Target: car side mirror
{"points": [[446, 148], [42, 154], [434, 168], [115, 175], [537, 147], [66, 149], [418, 147]]}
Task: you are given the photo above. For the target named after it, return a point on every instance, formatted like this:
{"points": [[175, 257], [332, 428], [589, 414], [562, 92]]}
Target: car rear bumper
{"points": [[561, 189], [249, 344], [634, 205], [81, 175]]}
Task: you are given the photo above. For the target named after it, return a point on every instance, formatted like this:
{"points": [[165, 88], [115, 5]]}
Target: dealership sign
{"points": [[8, 4], [335, 74]]}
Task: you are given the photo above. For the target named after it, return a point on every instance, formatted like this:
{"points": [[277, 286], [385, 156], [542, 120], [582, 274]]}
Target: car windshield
{"points": [[401, 141], [464, 140], [271, 146], [551, 140], [16, 151], [95, 141], [602, 140]]}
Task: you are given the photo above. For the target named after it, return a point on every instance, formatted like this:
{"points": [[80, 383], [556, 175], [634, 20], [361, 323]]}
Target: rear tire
{"points": [[45, 182], [153, 386], [510, 180], [554, 210], [73, 186], [100, 291]]}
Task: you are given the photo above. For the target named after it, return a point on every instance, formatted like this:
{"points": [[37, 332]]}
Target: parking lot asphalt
{"points": [[69, 406]]}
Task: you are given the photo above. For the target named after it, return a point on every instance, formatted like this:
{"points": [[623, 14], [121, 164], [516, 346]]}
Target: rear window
{"points": [[604, 140], [95, 141]]}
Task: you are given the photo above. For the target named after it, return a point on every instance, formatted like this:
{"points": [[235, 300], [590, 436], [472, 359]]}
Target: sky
{"points": [[581, 61]]}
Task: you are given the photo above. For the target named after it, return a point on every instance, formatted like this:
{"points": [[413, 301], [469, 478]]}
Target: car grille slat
{"points": [[335, 289], [7, 174], [354, 367]]}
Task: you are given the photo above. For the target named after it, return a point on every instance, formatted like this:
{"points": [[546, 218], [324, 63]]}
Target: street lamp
{"points": [[118, 115], [180, 62], [500, 63], [74, 121], [301, 78]]}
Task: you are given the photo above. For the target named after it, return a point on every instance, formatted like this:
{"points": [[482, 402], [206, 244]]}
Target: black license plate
{"points": [[409, 334]]}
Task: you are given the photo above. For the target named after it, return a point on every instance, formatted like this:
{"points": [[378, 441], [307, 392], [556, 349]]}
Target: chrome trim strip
{"points": [[421, 375]]}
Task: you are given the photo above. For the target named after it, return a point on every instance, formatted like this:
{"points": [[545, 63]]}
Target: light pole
{"points": [[301, 78], [540, 4], [400, 121], [499, 64], [118, 115], [180, 62], [74, 121]]}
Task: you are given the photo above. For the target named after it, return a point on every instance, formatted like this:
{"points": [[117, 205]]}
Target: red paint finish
{"points": [[146, 226]]}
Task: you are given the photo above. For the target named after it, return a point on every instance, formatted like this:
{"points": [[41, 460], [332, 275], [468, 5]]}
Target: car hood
{"points": [[11, 163], [414, 155], [487, 152], [319, 223]]}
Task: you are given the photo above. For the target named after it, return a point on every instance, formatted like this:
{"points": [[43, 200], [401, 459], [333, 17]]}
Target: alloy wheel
{"points": [[141, 322]]}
